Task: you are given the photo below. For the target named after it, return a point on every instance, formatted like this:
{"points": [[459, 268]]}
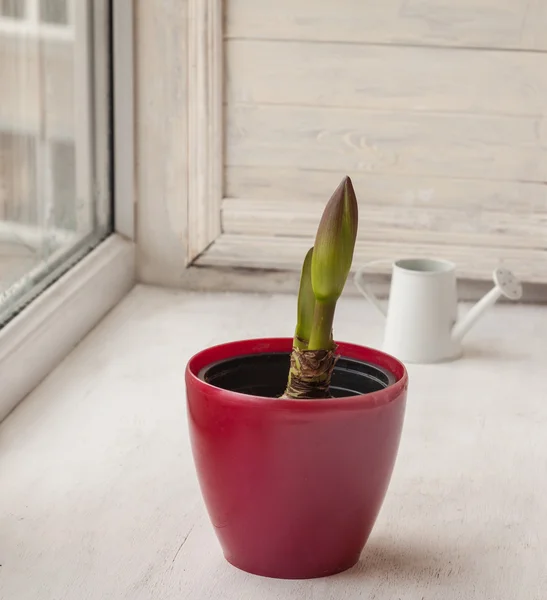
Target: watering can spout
{"points": [[506, 284]]}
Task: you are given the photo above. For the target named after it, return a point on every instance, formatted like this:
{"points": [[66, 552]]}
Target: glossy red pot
{"points": [[293, 488]]}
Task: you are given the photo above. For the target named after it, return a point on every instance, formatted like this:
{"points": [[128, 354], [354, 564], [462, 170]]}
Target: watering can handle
{"points": [[358, 280]]}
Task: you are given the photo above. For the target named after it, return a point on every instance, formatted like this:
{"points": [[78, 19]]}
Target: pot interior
{"points": [[266, 375]]}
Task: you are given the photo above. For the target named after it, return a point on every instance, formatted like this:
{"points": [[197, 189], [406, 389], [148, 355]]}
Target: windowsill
{"points": [[99, 497], [35, 341]]}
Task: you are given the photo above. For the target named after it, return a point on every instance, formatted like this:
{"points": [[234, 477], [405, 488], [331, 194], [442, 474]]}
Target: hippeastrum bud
{"points": [[335, 243]]}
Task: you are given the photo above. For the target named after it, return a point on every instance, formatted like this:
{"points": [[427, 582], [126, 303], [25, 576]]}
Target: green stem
{"points": [[320, 338], [300, 339]]}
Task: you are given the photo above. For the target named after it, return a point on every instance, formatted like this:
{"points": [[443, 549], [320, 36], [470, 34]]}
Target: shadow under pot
{"points": [[293, 487]]}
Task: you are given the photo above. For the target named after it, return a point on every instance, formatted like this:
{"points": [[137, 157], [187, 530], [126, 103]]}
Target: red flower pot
{"points": [[293, 488]]}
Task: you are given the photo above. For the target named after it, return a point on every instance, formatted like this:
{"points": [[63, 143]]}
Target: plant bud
{"points": [[335, 243]]}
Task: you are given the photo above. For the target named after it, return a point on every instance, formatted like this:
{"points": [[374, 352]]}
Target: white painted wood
{"points": [[161, 116], [472, 177], [40, 337], [124, 123], [532, 29], [281, 281], [386, 77], [385, 222], [420, 192], [205, 123], [179, 134], [383, 142], [100, 499], [446, 145], [510, 24], [287, 253]]}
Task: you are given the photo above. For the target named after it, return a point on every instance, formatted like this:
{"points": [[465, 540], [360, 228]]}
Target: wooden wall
{"points": [[435, 108]]}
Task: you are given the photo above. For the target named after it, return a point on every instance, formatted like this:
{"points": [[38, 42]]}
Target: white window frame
{"points": [[46, 330], [179, 127], [229, 241]]}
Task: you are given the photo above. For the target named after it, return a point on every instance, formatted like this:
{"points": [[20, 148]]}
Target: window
{"points": [[14, 9], [54, 12], [40, 18], [64, 260], [54, 197]]}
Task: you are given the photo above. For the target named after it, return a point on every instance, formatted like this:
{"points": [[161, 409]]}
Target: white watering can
{"points": [[422, 323]]}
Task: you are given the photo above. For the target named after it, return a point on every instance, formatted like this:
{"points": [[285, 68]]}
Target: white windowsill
{"points": [[40, 337], [100, 500]]}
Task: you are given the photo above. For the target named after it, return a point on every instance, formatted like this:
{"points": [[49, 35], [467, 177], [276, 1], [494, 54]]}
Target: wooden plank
{"points": [[533, 25], [205, 124], [233, 279], [261, 252], [462, 23], [161, 120], [288, 217], [470, 195], [385, 142], [386, 77]]}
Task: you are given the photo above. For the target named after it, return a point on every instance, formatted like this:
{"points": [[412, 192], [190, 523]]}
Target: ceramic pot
{"points": [[293, 488]]}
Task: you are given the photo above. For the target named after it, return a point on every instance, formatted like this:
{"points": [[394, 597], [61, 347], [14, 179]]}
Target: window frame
{"points": [[179, 153], [49, 327], [196, 237]]}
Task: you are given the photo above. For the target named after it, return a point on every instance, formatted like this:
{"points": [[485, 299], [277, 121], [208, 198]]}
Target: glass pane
{"points": [[17, 177], [50, 215], [17, 204], [54, 12], [15, 9], [63, 174]]}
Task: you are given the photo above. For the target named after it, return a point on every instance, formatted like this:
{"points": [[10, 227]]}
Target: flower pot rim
{"points": [[245, 347]]}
